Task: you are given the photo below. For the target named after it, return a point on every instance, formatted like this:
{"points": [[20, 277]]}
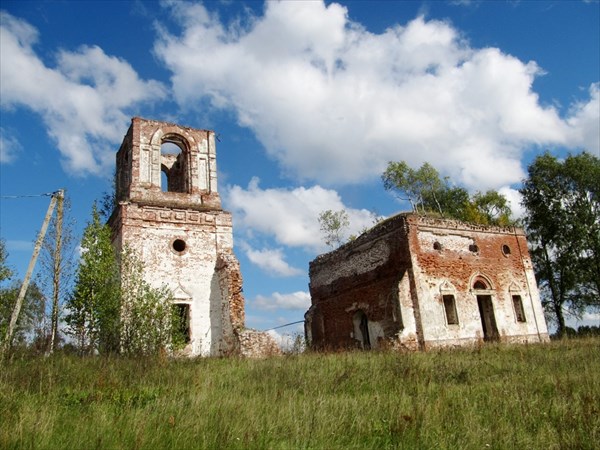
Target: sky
{"points": [[310, 100]]}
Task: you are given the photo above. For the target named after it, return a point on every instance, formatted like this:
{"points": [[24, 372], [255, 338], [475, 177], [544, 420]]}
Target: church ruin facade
{"points": [[168, 211], [419, 282]]}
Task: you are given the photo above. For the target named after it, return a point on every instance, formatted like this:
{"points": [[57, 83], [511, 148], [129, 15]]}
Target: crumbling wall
{"points": [[398, 282], [448, 256], [359, 278], [180, 231], [257, 344]]}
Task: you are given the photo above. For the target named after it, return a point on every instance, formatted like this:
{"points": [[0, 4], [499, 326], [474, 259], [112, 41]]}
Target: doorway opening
{"points": [[361, 329], [488, 320]]}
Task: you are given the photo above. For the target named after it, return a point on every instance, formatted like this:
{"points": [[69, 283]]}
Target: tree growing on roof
{"points": [[428, 193]]}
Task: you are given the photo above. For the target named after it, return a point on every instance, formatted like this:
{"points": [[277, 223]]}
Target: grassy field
{"points": [[518, 397]]}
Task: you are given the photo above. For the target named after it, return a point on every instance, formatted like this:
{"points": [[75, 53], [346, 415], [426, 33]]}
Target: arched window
{"points": [[174, 164], [480, 285]]}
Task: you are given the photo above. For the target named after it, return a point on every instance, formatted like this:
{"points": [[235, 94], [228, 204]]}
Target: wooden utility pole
{"points": [[56, 273], [25, 285]]}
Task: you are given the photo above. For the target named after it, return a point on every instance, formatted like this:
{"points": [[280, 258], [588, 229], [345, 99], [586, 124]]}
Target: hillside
{"points": [[536, 396]]}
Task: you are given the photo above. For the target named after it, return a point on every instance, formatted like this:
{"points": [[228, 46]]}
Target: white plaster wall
{"points": [[407, 310], [452, 242], [193, 271], [431, 287]]}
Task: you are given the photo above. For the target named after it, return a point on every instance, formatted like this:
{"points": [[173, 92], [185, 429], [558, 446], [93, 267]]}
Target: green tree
{"points": [[5, 271], [333, 225], [420, 187], [32, 311], [428, 193], [490, 208], [562, 199], [149, 323], [57, 264], [93, 307]]}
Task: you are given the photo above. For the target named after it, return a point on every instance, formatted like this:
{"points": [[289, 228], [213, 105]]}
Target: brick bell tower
{"points": [[169, 212]]}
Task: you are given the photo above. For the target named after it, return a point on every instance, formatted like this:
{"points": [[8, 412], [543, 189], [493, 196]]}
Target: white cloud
{"points": [[9, 147], [82, 100], [299, 300], [333, 102], [514, 199], [583, 120], [289, 215], [19, 246], [290, 342], [272, 261]]}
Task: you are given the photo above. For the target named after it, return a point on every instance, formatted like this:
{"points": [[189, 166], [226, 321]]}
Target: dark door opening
{"points": [[361, 329], [488, 320], [364, 331]]}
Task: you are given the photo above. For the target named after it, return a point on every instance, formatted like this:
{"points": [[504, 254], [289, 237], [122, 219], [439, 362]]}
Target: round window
{"points": [[506, 250], [179, 245], [437, 246]]}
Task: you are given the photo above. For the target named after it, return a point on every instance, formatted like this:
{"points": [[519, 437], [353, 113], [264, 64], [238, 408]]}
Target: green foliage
{"points": [[148, 322], [93, 308], [31, 315], [420, 186], [5, 271], [427, 193], [57, 266], [333, 225], [112, 308], [32, 310], [502, 397], [562, 199]]}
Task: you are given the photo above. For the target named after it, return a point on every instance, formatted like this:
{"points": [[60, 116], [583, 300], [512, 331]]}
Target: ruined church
{"points": [[415, 282], [169, 212]]}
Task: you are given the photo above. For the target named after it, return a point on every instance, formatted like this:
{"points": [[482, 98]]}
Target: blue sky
{"points": [[310, 101]]}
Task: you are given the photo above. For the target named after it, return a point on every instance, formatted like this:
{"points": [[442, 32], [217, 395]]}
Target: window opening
{"points": [[505, 250], [480, 285], [450, 308], [181, 329], [473, 248], [437, 246], [174, 165], [164, 179], [518, 305], [179, 245]]}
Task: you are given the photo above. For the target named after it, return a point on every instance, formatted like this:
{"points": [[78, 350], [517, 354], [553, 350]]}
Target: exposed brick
{"points": [[397, 274], [182, 234]]}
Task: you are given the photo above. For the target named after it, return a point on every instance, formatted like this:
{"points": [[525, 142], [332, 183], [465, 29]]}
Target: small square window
{"points": [[450, 308], [518, 305]]}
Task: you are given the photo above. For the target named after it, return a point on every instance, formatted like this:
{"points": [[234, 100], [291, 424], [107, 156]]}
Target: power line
{"points": [[286, 325], [47, 194]]}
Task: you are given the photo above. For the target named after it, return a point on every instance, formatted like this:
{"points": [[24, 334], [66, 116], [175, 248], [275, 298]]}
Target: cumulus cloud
{"points": [[295, 301], [334, 103], [583, 122], [514, 199], [272, 261], [9, 147], [82, 100], [289, 215]]}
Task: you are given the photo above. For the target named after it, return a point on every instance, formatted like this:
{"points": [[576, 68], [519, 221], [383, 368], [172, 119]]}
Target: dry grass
{"points": [[541, 396]]}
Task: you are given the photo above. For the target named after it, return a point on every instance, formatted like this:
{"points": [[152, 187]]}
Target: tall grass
{"points": [[541, 396]]}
